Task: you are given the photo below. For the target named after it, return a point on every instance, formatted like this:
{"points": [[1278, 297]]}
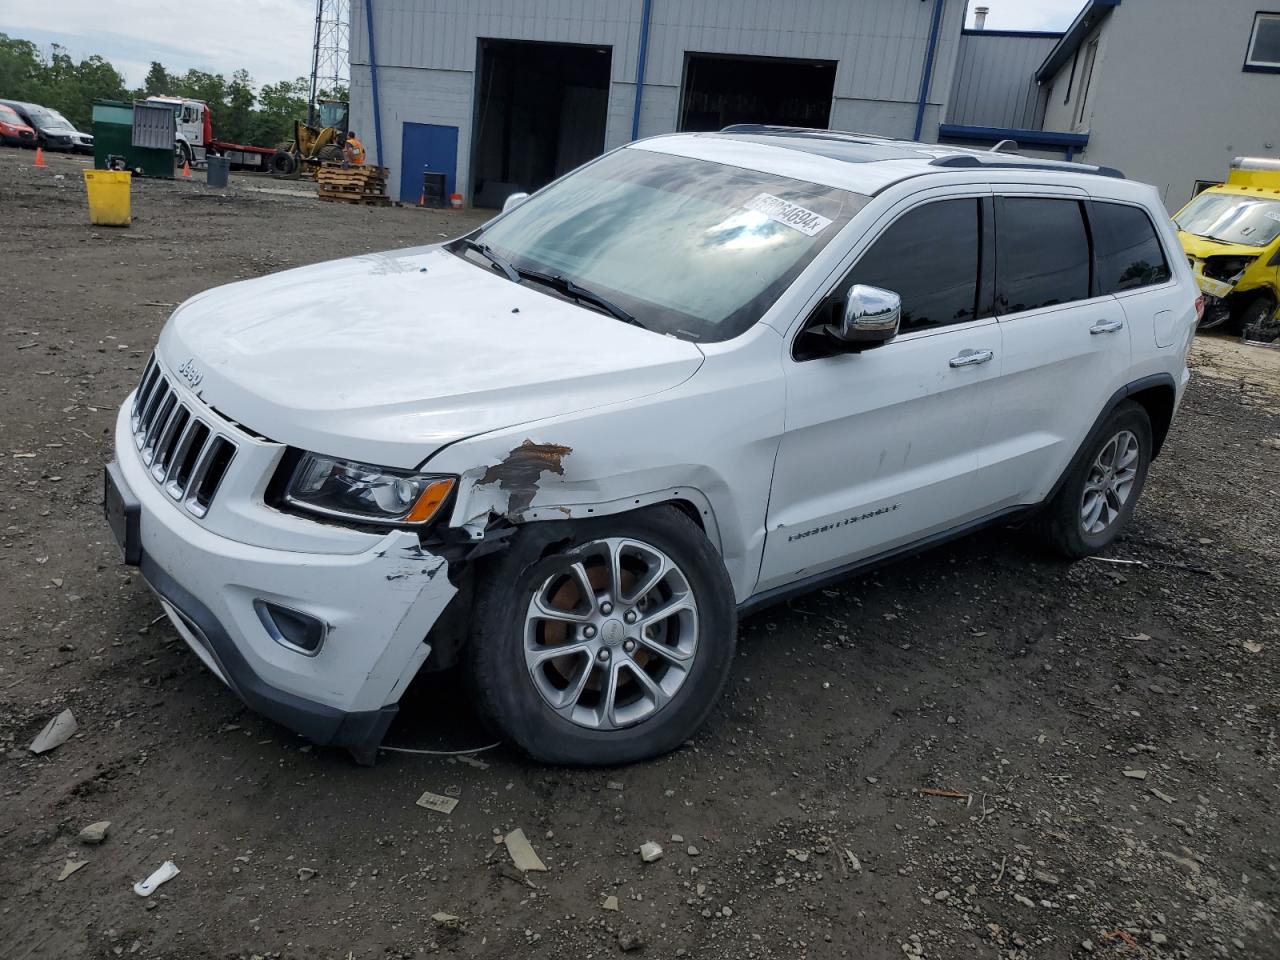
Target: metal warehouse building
{"points": [[505, 95]]}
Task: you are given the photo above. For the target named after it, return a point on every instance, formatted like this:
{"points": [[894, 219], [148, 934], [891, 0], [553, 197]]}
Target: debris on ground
{"points": [[70, 867], [521, 851], [1136, 774], [447, 920], [610, 903], [307, 873], [650, 851], [629, 940], [162, 874], [95, 832], [55, 733], [436, 802]]}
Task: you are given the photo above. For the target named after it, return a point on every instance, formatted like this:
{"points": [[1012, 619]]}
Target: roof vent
{"points": [[980, 17]]}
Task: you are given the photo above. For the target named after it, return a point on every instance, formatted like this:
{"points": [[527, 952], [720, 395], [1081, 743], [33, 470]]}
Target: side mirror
{"points": [[870, 318], [514, 201]]}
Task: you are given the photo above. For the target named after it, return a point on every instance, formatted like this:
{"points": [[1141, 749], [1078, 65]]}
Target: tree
{"points": [[239, 113], [157, 82], [281, 104], [20, 67]]}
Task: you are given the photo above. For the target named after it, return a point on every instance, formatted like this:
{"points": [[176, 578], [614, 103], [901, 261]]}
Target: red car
{"points": [[13, 132]]}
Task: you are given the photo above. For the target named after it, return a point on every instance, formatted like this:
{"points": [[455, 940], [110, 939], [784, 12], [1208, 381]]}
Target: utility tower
{"points": [[330, 67]]}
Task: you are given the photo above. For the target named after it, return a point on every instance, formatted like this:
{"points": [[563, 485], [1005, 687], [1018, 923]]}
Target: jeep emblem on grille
{"points": [[190, 373]]}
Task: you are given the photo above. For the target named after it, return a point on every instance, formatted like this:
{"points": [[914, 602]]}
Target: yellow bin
{"points": [[108, 197]]}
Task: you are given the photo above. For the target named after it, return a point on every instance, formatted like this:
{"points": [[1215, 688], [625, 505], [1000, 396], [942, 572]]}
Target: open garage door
{"points": [[720, 90], [541, 110]]}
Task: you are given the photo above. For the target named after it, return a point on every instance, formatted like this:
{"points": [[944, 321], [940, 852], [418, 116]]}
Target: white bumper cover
{"points": [[378, 604]]}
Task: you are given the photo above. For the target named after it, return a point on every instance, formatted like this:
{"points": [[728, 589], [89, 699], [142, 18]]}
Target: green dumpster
{"points": [[114, 136]]}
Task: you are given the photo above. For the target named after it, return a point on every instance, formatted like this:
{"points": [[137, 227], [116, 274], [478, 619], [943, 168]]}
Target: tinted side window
{"points": [[1042, 253], [928, 257], [1128, 250]]}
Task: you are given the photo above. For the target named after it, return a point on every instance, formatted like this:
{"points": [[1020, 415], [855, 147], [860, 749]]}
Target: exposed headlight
{"points": [[361, 491]]}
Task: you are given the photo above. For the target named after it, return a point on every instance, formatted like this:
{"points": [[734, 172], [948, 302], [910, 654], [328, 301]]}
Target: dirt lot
{"points": [[1035, 690]]}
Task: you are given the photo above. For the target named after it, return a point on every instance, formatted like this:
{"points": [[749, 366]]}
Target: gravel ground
{"points": [[1104, 734]]}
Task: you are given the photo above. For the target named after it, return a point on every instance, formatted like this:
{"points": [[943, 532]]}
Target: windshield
{"points": [[8, 116], [688, 247], [1231, 218]]}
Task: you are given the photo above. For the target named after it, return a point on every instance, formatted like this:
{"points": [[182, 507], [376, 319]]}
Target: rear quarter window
{"points": [[1127, 247]]}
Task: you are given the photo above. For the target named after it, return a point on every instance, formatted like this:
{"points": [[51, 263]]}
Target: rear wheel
{"points": [[283, 163], [604, 641], [1101, 491], [330, 153]]}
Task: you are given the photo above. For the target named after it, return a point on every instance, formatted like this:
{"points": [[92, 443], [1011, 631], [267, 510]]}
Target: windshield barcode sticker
{"points": [[791, 214]]}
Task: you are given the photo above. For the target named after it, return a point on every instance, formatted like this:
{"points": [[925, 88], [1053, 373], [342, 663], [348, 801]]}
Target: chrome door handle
{"points": [[1107, 326], [968, 358]]}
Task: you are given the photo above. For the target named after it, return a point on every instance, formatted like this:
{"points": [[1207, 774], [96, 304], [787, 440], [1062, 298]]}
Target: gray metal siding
{"points": [[427, 52], [995, 82], [880, 44]]}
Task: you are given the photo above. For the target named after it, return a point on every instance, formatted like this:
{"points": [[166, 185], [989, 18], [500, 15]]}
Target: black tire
{"points": [[330, 153], [181, 154], [1062, 525], [503, 686], [1258, 320], [283, 164]]}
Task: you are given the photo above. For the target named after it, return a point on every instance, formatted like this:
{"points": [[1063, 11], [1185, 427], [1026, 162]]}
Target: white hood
{"points": [[387, 357]]}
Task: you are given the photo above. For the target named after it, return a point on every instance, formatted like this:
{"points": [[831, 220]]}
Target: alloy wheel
{"points": [[611, 636], [1110, 482]]}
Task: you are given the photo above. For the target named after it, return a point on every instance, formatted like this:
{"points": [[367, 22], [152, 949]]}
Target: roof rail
{"points": [[970, 161], [816, 133]]}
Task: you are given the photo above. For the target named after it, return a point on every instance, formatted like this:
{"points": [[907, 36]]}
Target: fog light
{"points": [[298, 631]]}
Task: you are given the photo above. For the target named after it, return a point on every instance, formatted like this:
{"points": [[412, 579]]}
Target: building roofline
{"points": [[1089, 17], [1030, 34]]}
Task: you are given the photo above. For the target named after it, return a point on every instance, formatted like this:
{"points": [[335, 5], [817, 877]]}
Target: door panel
{"points": [[1066, 348], [427, 148], [881, 447]]}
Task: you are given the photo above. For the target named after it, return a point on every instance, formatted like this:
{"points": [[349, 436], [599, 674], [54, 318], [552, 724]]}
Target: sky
{"points": [[272, 38]]}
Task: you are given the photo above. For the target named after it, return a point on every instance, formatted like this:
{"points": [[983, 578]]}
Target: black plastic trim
{"points": [[970, 162], [768, 598], [359, 732]]}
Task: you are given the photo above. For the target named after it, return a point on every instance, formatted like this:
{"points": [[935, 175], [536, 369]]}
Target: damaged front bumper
{"points": [[374, 609]]}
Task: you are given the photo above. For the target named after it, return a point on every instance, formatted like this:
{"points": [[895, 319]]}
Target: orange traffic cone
{"points": [[40, 157], [186, 168]]}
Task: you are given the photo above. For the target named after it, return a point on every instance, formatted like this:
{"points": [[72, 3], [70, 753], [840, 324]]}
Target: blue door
{"points": [[427, 148]]}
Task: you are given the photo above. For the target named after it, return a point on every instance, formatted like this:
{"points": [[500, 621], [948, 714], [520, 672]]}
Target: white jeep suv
{"points": [[701, 373]]}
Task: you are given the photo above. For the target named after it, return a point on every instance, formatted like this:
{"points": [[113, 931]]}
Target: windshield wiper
{"points": [[572, 289], [485, 251]]}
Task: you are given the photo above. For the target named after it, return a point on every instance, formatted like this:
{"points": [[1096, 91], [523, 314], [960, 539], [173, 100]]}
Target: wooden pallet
{"points": [[371, 187], [367, 199], [364, 184]]}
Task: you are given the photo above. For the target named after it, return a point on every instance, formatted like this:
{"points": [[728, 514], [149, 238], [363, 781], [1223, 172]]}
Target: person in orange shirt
{"points": [[353, 149]]}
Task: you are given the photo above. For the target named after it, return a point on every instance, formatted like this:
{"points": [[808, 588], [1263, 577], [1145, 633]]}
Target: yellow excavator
{"points": [[314, 144]]}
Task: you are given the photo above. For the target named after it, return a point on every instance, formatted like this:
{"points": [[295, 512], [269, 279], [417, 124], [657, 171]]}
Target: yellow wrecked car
{"points": [[1231, 235]]}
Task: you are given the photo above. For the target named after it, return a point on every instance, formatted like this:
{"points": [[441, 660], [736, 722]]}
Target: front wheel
{"points": [[1101, 491], [603, 641]]}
